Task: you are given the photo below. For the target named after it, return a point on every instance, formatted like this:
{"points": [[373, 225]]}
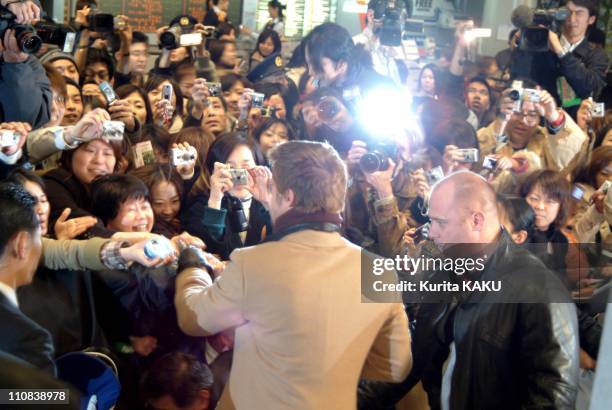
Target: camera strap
{"points": [[315, 226]]}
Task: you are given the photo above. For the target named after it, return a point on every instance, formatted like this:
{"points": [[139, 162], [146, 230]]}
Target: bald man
{"points": [[516, 347]]}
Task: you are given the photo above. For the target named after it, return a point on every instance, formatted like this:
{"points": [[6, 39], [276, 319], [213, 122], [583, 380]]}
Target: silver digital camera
{"points": [[113, 130]]}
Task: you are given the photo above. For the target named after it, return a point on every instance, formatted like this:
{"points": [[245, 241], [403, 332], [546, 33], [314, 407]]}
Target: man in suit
{"points": [[20, 251], [303, 336]]}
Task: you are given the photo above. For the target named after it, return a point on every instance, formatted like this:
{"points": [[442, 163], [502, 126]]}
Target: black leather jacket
{"points": [[508, 355]]}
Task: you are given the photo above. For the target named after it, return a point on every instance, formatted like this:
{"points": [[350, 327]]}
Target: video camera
{"points": [[31, 38], [534, 37], [389, 19], [183, 35]]}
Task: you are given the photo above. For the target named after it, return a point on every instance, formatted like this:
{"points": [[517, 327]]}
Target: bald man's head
{"points": [[463, 209]]}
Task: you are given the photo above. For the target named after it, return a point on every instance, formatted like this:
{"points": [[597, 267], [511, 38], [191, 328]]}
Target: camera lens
{"points": [[328, 109], [30, 43], [373, 161], [515, 95]]}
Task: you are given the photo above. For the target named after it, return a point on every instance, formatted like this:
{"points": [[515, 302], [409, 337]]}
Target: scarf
{"points": [[293, 217]]}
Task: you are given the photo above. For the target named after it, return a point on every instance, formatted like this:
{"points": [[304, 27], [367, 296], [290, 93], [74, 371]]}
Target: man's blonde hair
{"points": [[314, 172]]}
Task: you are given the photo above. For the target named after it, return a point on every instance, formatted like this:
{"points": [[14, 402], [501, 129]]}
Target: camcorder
{"points": [[534, 37], [8, 138], [182, 156], [31, 38], [183, 35], [389, 20]]}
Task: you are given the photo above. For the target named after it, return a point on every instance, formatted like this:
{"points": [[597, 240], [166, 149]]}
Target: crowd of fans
{"points": [[202, 128]]}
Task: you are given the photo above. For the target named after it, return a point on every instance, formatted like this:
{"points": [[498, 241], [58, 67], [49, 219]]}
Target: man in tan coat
{"points": [[304, 332]]}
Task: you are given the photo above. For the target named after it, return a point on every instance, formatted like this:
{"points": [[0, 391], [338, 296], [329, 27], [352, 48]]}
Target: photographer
{"points": [[25, 93], [384, 203], [229, 217], [573, 69], [334, 60], [538, 135]]}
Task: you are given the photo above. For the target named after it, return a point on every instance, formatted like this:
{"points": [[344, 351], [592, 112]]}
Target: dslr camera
{"points": [[31, 38], [377, 158]]}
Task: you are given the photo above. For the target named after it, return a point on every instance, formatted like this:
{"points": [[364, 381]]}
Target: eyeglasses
{"points": [[531, 116]]}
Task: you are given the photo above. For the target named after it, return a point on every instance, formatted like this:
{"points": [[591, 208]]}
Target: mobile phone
{"points": [[167, 92], [108, 92]]}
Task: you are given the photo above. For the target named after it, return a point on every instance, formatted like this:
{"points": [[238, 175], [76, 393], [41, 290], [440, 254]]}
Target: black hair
{"points": [[333, 41], [481, 80], [518, 212], [600, 158], [555, 186], [154, 174], [230, 80], [266, 34], [178, 375], [436, 75], [18, 212], [269, 123], [269, 89], [601, 135], [21, 176], [225, 29], [139, 37], [454, 131], [159, 137], [127, 89], [154, 81], [591, 5], [275, 4], [216, 49], [70, 81], [223, 102], [225, 144], [109, 192], [95, 55]]}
